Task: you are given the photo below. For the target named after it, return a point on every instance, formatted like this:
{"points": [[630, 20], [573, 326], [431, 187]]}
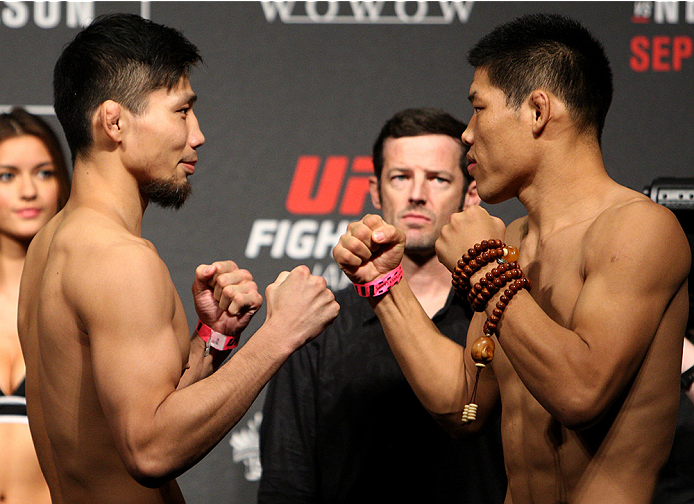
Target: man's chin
{"points": [[167, 193], [420, 237], [420, 246], [420, 255]]}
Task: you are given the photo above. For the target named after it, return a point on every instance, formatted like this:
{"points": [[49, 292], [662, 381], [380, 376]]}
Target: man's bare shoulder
{"points": [[86, 231], [629, 213], [634, 225], [96, 255]]}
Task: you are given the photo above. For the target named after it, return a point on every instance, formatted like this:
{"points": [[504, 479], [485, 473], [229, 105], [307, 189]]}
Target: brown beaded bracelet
{"points": [[490, 325], [477, 257], [491, 283], [482, 350]]}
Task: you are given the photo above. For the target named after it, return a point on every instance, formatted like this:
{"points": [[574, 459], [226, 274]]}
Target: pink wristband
{"points": [[380, 285], [214, 339]]}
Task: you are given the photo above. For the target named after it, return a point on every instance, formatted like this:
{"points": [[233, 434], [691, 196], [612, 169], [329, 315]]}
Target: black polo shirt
{"points": [[342, 425]]}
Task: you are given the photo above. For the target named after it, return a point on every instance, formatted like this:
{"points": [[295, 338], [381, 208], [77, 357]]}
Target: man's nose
{"points": [[467, 137], [418, 192], [197, 139]]}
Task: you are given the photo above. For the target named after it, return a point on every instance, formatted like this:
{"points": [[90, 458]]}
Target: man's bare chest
{"points": [[557, 273]]}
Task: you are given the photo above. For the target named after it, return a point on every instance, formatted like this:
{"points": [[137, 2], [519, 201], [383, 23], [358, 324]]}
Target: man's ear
{"points": [[540, 105], [471, 196], [108, 120], [375, 193]]}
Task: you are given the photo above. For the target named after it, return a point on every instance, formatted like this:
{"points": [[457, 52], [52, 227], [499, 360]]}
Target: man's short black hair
{"points": [[119, 57], [552, 52]]}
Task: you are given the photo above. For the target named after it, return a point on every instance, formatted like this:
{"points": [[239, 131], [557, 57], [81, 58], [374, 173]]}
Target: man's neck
{"points": [[569, 185], [429, 280], [109, 189]]}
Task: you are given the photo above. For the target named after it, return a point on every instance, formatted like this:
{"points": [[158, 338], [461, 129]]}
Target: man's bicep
{"points": [[616, 325], [625, 296], [135, 356]]}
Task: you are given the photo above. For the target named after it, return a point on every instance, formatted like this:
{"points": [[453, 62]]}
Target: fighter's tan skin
{"points": [[121, 399], [587, 363]]}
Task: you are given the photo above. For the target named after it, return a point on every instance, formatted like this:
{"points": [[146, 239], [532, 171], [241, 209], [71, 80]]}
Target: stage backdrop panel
{"points": [[291, 97]]}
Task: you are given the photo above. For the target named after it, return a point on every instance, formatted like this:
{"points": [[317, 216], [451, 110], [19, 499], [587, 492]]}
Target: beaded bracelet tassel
{"points": [[482, 350]]}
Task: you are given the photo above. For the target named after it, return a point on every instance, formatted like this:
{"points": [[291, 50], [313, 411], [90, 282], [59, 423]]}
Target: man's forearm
{"points": [[199, 415], [431, 362]]}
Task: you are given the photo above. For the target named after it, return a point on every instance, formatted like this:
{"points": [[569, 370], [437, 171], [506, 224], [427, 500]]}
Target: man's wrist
{"points": [[381, 285], [214, 339]]}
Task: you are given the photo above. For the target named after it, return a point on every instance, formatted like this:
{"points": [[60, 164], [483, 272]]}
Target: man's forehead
{"points": [[420, 143], [480, 80], [181, 91], [425, 143], [429, 151]]}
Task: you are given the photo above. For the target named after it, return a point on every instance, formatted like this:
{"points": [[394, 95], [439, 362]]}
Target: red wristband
{"points": [[380, 285], [214, 339]]}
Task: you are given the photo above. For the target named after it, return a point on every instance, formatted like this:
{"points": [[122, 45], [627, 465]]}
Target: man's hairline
{"points": [[192, 98], [589, 130]]}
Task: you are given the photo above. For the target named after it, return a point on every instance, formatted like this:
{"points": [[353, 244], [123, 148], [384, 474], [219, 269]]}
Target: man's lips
{"points": [[415, 217], [471, 162], [189, 165]]}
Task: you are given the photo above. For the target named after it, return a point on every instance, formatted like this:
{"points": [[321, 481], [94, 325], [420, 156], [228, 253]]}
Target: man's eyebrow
{"points": [[472, 96], [188, 99]]}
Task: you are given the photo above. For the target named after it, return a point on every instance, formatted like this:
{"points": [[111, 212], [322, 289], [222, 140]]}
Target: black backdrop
{"points": [[291, 87]]}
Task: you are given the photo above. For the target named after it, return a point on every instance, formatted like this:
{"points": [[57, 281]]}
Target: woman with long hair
{"points": [[34, 185]]}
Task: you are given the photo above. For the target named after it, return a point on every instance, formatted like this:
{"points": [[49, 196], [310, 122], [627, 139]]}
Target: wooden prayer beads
{"points": [[493, 319], [480, 294], [482, 350], [477, 257]]}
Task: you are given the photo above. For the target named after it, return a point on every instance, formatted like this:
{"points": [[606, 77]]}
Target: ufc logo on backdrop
{"points": [[339, 186], [319, 187]]}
